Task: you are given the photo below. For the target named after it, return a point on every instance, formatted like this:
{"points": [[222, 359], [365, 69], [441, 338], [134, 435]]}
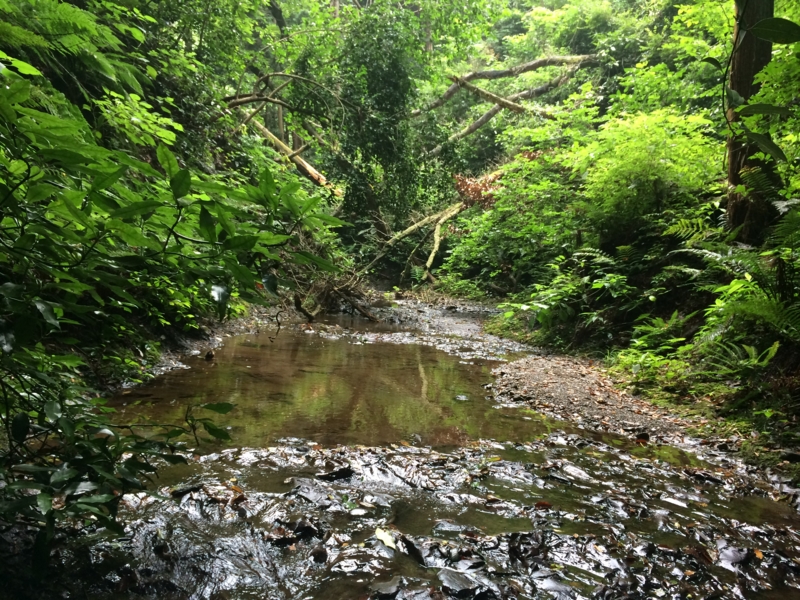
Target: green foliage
{"points": [[642, 164], [109, 239], [376, 68]]}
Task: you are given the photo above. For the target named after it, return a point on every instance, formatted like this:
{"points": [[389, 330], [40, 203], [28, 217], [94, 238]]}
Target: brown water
{"points": [[333, 391]]}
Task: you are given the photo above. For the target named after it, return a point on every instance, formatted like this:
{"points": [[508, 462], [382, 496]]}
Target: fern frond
{"points": [[759, 182], [594, 254], [17, 38], [692, 230], [787, 232]]}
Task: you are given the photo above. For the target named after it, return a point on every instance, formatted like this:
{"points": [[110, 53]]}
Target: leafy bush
{"points": [[100, 249], [643, 164]]}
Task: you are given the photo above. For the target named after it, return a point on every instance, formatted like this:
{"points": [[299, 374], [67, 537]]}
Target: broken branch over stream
{"points": [[552, 61], [437, 218]]}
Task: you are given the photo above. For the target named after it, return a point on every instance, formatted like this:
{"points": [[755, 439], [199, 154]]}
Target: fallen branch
{"points": [[298, 305], [299, 151], [258, 98], [437, 237], [458, 207], [410, 259], [261, 106], [580, 60], [290, 154], [490, 114], [357, 306], [489, 96]]}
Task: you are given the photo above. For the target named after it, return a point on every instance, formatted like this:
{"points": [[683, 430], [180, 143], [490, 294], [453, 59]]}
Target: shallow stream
{"points": [[373, 464]]}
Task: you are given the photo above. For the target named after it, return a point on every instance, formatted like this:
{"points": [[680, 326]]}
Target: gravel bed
{"points": [[578, 391]]}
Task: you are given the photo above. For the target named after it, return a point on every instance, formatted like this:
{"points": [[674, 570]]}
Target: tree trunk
{"points": [[280, 127], [750, 56]]}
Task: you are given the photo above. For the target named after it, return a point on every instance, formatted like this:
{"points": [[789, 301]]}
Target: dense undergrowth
{"points": [[610, 231], [131, 210]]}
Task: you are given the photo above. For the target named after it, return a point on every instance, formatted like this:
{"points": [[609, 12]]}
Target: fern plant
{"points": [[67, 42]]}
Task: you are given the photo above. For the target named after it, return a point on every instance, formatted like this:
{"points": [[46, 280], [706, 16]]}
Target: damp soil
{"points": [[377, 462]]}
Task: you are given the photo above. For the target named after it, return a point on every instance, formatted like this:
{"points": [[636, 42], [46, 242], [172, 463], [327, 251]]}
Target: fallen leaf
{"points": [[386, 538]]}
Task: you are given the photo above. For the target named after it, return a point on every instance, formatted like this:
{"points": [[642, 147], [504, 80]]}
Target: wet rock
{"points": [[387, 589], [340, 473], [299, 543], [458, 584], [319, 554], [182, 490]]}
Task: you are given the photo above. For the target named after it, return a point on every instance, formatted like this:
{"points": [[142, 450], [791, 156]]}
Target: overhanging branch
{"points": [[512, 99], [552, 61]]}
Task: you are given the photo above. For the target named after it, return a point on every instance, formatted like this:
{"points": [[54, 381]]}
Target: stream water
{"points": [[374, 464]]}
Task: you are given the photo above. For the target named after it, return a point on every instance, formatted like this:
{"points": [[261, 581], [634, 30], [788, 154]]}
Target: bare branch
{"points": [[490, 114], [552, 61], [489, 96], [437, 236], [448, 212], [241, 101], [301, 164], [299, 151]]}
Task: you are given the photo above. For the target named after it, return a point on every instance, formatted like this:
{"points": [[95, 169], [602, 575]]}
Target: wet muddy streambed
{"points": [[373, 463]]}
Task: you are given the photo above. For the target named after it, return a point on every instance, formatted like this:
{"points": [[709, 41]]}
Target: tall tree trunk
{"points": [[750, 56]]}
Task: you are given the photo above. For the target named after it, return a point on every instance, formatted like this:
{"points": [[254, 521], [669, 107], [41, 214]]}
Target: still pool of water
{"points": [[333, 391]]}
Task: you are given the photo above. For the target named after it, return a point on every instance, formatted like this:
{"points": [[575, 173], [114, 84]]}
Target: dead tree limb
{"points": [[410, 259], [301, 164], [357, 306], [490, 114], [552, 61], [437, 237], [489, 96], [298, 305], [242, 100], [261, 106], [299, 151], [457, 208]]}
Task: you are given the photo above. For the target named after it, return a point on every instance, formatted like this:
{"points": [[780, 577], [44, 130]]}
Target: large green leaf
{"points": [[215, 431], [777, 30], [46, 309], [167, 161], [763, 109], [303, 257], [207, 225], [240, 242], [106, 180], [139, 208], [180, 183], [767, 145]]}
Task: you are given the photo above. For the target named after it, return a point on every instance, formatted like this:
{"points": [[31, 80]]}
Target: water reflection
{"points": [[334, 391]]}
